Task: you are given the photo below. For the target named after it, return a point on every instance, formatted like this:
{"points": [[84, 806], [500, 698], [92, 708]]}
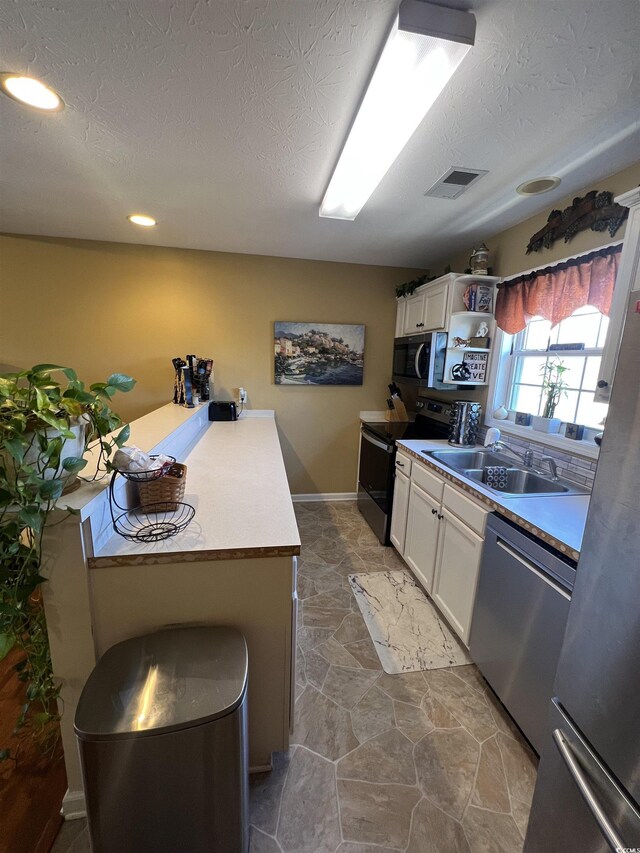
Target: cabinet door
{"points": [[421, 539], [401, 305], [414, 314], [435, 312], [400, 508], [456, 575]]}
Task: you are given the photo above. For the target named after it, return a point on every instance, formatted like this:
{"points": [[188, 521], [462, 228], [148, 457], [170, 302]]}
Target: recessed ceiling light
{"points": [[141, 219], [538, 185], [29, 91]]}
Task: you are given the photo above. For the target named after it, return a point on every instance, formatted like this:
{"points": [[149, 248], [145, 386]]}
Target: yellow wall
{"points": [[508, 248], [105, 307]]}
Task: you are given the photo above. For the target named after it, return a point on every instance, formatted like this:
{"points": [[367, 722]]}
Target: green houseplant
{"points": [[48, 419], [553, 387]]}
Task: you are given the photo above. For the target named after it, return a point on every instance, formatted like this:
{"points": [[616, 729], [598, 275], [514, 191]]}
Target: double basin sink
{"points": [[521, 481]]}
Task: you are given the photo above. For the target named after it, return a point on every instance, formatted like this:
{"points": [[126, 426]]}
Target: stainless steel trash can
{"points": [[162, 733]]}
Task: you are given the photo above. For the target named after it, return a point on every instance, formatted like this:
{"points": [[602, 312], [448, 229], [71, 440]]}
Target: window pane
{"points": [[566, 408], [590, 413], [525, 399], [580, 328], [537, 335], [591, 372], [573, 375], [528, 369]]}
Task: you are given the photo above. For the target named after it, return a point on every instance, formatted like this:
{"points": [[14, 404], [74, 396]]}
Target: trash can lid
{"points": [[163, 682]]}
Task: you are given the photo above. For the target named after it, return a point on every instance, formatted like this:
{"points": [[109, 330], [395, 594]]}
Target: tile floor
{"points": [[419, 762]]}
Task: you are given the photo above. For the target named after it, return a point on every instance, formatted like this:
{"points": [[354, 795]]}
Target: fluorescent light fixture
{"points": [[141, 219], [425, 46], [29, 91]]}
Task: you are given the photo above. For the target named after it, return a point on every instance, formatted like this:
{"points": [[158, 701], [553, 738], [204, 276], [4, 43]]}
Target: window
{"points": [[530, 353]]}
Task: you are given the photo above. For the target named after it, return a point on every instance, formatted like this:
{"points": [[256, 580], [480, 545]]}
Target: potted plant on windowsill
{"points": [[46, 426], [554, 386]]}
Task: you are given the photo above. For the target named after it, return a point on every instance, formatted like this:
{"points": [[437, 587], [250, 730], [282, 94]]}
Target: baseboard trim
{"points": [[73, 805], [327, 496]]}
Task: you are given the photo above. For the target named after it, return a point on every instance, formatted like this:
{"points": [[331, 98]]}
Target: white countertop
{"points": [[237, 483], [558, 517]]}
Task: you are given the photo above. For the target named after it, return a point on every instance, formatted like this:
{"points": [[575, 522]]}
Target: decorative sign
{"points": [[477, 363], [562, 347], [596, 211], [523, 418]]}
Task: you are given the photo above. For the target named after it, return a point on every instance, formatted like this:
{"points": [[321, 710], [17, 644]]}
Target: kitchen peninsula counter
{"points": [[234, 565], [237, 483]]}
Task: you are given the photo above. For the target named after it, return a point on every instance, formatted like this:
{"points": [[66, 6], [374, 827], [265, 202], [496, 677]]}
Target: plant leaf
{"points": [[51, 489], [45, 368], [7, 642], [121, 382], [15, 448], [73, 464], [123, 436]]}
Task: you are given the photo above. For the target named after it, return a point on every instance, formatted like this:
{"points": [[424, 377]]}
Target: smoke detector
{"points": [[455, 181]]}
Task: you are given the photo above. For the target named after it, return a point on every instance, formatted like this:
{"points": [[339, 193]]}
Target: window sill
{"points": [[588, 449]]}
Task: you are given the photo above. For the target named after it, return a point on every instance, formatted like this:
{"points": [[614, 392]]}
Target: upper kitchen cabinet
{"points": [[430, 307], [461, 305]]}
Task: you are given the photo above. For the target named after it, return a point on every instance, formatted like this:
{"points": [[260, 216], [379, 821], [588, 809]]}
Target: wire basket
{"points": [[147, 476], [166, 489], [154, 522]]}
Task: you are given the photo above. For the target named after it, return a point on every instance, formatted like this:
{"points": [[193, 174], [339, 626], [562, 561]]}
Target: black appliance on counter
{"points": [[419, 360], [377, 460], [223, 410]]}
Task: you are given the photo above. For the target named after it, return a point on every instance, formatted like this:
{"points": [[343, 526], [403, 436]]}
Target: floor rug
{"points": [[405, 627]]}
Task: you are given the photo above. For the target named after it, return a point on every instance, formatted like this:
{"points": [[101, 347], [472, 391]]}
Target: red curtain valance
{"points": [[556, 292]]}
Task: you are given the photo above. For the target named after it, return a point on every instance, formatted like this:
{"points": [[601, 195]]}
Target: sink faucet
{"points": [[551, 462], [526, 458]]}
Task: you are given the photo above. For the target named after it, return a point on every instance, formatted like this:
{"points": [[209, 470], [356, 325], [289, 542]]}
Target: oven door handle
{"points": [[386, 447], [417, 362]]}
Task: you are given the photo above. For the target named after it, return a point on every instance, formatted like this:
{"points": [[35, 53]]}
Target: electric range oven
{"points": [[376, 471]]}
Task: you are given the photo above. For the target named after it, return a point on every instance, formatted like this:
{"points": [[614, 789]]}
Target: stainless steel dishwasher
{"points": [[519, 618]]}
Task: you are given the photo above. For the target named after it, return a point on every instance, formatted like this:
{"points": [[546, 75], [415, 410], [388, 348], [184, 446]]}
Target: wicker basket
{"points": [[167, 489]]}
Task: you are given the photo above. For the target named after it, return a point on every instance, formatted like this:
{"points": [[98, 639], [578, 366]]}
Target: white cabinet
{"points": [[400, 508], [439, 530], [414, 308], [627, 280], [401, 305], [435, 308], [422, 535], [456, 573]]}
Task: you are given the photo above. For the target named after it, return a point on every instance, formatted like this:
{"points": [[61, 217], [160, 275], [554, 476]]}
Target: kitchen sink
{"points": [[460, 459], [521, 481]]}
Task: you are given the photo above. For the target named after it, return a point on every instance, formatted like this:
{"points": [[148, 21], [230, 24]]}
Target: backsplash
{"points": [[575, 468]]}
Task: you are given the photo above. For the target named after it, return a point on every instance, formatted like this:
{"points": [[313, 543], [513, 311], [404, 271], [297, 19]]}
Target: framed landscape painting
{"points": [[318, 354]]}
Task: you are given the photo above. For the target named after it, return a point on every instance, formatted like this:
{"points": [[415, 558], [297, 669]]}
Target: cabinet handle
{"points": [[434, 512], [440, 517], [399, 464], [603, 383]]}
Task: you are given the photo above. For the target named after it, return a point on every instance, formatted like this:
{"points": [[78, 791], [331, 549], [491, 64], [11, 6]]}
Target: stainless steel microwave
{"points": [[419, 360]]}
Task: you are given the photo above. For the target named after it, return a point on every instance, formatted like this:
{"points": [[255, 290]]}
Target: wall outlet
{"points": [[242, 395]]}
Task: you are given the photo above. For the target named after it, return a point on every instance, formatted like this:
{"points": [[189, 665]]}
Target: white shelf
{"points": [[469, 349], [473, 314], [470, 278]]}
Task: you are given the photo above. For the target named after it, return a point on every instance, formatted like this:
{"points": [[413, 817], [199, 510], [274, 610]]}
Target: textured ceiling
{"points": [[224, 121]]}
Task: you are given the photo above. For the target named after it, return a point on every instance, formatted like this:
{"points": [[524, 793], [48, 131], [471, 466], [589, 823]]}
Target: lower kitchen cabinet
{"points": [[421, 541], [400, 507], [439, 533], [456, 573]]}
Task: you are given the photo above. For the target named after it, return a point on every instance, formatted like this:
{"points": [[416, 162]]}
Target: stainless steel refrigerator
{"points": [[587, 797]]}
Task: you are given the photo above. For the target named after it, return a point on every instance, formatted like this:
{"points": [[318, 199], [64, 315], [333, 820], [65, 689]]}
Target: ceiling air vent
{"points": [[454, 182]]}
